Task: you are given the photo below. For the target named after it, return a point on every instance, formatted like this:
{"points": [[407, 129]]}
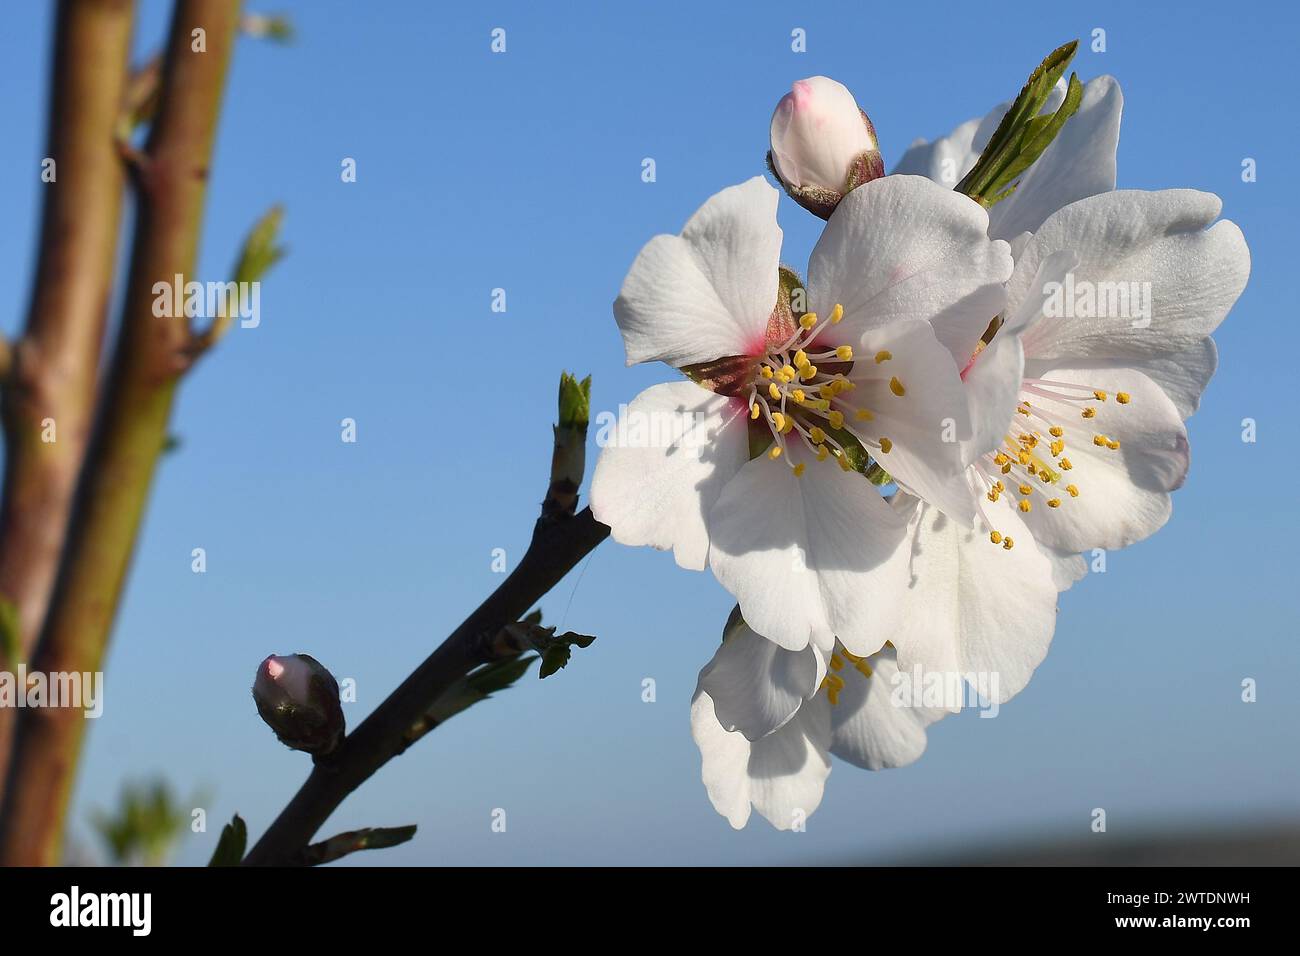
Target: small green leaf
{"points": [[11, 643], [1023, 135], [230, 847], [261, 248], [575, 401]]}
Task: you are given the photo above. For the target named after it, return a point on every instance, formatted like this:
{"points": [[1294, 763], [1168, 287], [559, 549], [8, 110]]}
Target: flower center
{"points": [[1032, 461], [833, 683], [801, 393]]}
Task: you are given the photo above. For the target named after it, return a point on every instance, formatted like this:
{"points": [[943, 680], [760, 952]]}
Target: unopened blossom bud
{"points": [[823, 145], [299, 700]]}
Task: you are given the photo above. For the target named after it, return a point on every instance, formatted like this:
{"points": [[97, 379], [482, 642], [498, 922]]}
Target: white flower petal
{"points": [[664, 465], [1123, 493], [974, 608], [757, 686], [782, 775], [901, 247], [926, 424], [709, 292], [1182, 375], [1195, 274], [1079, 163], [810, 558], [869, 727]]}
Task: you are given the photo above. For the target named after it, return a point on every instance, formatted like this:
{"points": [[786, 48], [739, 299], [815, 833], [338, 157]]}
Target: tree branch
{"points": [[50, 374], [558, 544], [130, 434]]}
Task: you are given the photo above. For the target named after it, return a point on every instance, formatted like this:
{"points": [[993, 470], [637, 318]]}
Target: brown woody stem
{"points": [[149, 358], [51, 372]]}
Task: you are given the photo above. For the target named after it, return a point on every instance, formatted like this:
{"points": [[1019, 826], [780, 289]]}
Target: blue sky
{"points": [[522, 171]]}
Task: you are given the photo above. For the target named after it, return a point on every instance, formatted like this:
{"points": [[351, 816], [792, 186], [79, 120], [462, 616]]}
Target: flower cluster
{"points": [[895, 465]]}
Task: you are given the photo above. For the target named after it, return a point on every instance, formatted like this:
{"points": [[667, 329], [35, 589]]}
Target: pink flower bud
{"points": [[822, 144], [299, 700]]}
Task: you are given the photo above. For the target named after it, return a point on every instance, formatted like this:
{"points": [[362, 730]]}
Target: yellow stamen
{"points": [[1123, 398], [995, 537], [896, 387], [798, 470], [863, 415], [1053, 502], [1089, 413], [1008, 544], [807, 320], [836, 419], [1073, 490], [754, 410], [774, 392], [1099, 395], [817, 435], [844, 353], [822, 453], [808, 373], [1056, 431], [775, 453], [1026, 506], [884, 355], [886, 445], [837, 314]]}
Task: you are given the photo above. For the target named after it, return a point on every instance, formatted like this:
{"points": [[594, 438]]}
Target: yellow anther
{"points": [[800, 359], [844, 353], [789, 373], [808, 373], [842, 384], [798, 396], [774, 392], [765, 371], [886, 445], [822, 453], [779, 421], [1123, 398], [1026, 489], [1024, 457], [995, 537], [863, 415], [1056, 431], [798, 469], [807, 320], [817, 435], [1099, 395], [1033, 468], [1113, 444], [1006, 469], [837, 662], [754, 410], [1073, 490], [1023, 411], [1026, 506], [999, 486], [820, 404], [1008, 544], [836, 418], [1057, 447], [1000, 459], [896, 387], [1099, 440], [1045, 476], [1089, 413], [837, 314], [1053, 502], [884, 355], [1066, 464], [775, 453], [993, 495]]}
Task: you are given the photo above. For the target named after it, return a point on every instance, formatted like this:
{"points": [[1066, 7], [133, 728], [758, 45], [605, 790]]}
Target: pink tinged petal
{"points": [[707, 293], [1154, 244], [663, 465], [817, 132], [901, 247], [782, 775], [808, 559], [871, 727], [757, 686], [1079, 163], [926, 425], [1123, 492], [973, 608]]}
